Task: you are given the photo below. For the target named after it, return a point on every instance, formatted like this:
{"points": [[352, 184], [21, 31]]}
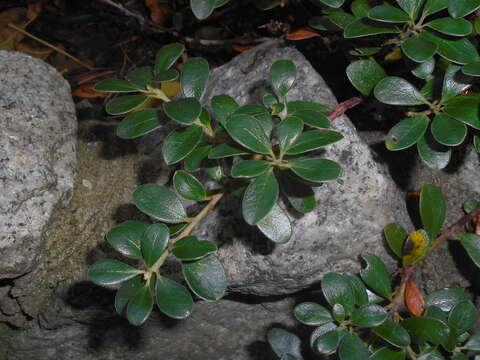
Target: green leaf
{"points": [[282, 76], [358, 288], [376, 275], [473, 343], [472, 69], [313, 314], [411, 7], [332, 3], [259, 198], [125, 238], [160, 203], [202, 8], [395, 235], [312, 140], [176, 228], [406, 133], [214, 171], [388, 14], [360, 8], [167, 76], [369, 316], [276, 225], [128, 289], [316, 170], [463, 317], [432, 158], [138, 123], [167, 56], [288, 132], [454, 83], [434, 6], [313, 118], [449, 26], [261, 114], [459, 51], [393, 333], [111, 272], [179, 144], [448, 131], [140, 77], [464, 109], [470, 205], [294, 107], [173, 299], [424, 69], [365, 75], [365, 51], [428, 88], [206, 277], [432, 209], [340, 18], [268, 100], [352, 348], [432, 354], [193, 161], [188, 187], [299, 195], [154, 242], [124, 104], [426, 329], [419, 49], [338, 312], [249, 168], [445, 298], [361, 27], [223, 107], [115, 86], [140, 307], [184, 111], [337, 290], [319, 331], [385, 353], [194, 77], [435, 312], [190, 248], [327, 343], [471, 244], [461, 8], [248, 132], [397, 91], [284, 342], [224, 151]]}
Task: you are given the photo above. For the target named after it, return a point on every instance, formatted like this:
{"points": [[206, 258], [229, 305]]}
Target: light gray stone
{"points": [[37, 157]]}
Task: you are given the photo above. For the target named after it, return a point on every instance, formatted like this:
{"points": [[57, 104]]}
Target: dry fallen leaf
{"points": [[302, 34], [414, 299], [241, 48], [88, 91]]}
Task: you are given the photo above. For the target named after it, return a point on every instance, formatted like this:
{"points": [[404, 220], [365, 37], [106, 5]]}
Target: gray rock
{"points": [[37, 157]]}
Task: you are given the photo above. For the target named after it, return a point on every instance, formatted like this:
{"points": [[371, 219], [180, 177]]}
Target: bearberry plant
{"points": [[363, 318], [253, 151]]}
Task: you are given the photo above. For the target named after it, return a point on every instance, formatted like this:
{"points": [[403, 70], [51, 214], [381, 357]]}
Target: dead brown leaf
{"points": [[302, 34], [88, 91], [159, 10]]}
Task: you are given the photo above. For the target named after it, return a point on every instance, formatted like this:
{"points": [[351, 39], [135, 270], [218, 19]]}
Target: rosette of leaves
{"points": [[140, 281]]}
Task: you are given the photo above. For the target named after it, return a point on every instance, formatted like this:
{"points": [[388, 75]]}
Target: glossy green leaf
{"points": [[461, 8], [389, 14], [360, 8], [411, 7], [313, 118], [138, 123], [332, 3], [288, 132], [340, 18], [472, 69], [206, 277], [248, 132], [445, 298], [360, 294], [386, 353], [184, 111], [313, 314], [173, 299], [369, 316], [473, 343], [337, 290], [223, 107], [406, 133], [224, 150], [160, 203], [190, 248], [393, 333], [361, 27], [188, 186], [464, 109], [470, 205], [395, 235], [448, 131], [167, 56], [202, 8], [435, 312], [424, 69], [176, 228], [125, 238], [194, 160], [327, 343], [397, 91], [319, 331], [432, 209], [128, 289], [352, 348], [249, 168], [419, 49], [115, 86], [140, 77], [276, 225], [426, 329], [180, 143], [299, 195], [259, 198], [154, 242], [194, 77], [434, 6], [261, 114], [365, 75], [460, 51], [471, 244], [463, 317], [316, 170], [431, 354], [140, 307], [338, 312], [282, 76], [214, 171], [454, 83], [294, 107], [284, 342], [167, 76], [432, 158], [111, 272], [312, 140], [376, 275], [449, 26], [124, 104]]}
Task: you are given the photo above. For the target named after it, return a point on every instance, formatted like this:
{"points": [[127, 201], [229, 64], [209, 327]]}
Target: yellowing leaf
{"points": [[171, 88], [394, 55], [416, 247]]}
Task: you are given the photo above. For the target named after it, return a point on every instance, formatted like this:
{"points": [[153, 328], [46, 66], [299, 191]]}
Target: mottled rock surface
{"points": [[37, 157]]}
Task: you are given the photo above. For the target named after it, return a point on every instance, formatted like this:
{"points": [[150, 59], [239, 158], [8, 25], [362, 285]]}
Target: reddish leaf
{"points": [[414, 299], [302, 34], [158, 10], [88, 91], [241, 48]]}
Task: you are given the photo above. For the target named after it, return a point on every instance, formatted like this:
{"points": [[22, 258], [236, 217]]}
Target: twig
{"points": [[343, 107]]}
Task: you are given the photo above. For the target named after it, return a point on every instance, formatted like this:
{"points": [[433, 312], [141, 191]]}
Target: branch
{"points": [[343, 107]]}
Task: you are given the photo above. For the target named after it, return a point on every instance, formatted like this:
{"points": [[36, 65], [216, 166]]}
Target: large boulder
{"points": [[37, 157]]}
